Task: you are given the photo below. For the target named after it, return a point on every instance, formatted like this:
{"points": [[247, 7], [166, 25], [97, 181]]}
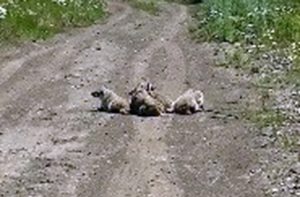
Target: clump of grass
{"points": [[187, 1], [149, 6], [265, 117], [269, 81], [273, 80], [292, 77], [289, 142], [234, 57], [39, 19]]}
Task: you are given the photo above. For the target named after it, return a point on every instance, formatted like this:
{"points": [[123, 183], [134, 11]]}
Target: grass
{"points": [[289, 142], [265, 118], [234, 57], [257, 25], [293, 76], [265, 22], [275, 119], [262, 35], [186, 1], [150, 6], [280, 80], [40, 19]]}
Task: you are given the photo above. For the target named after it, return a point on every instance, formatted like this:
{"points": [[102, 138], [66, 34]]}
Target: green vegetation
{"points": [[39, 19], [257, 26], [293, 75], [235, 57], [150, 6], [279, 80], [264, 39], [262, 22], [289, 142], [265, 117], [187, 1]]}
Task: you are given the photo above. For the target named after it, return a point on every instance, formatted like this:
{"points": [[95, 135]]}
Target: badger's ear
{"points": [[153, 87], [101, 92], [150, 87]]}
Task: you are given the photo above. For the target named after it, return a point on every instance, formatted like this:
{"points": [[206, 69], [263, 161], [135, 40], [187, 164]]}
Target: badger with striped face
{"points": [[191, 101], [145, 101], [110, 101]]}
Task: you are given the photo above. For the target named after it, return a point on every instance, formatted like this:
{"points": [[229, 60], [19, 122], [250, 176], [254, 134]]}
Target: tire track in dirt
{"points": [[149, 167]]}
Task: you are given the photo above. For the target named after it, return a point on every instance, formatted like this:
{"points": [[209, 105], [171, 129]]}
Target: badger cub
{"points": [[143, 104], [147, 87], [145, 101], [110, 101], [189, 102], [143, 85]]}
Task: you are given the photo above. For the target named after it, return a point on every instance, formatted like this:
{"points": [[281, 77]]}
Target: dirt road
{"points": [[52, 143]]}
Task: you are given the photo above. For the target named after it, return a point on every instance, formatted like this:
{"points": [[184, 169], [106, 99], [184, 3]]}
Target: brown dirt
{"points": [[52, 143]]}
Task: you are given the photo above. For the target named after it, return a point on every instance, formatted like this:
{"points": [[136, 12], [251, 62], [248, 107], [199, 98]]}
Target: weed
{"points": [[273, 80], [289, 142], [234, 57], [292, 77], [150, 6], [265, 117], [187, 1]]}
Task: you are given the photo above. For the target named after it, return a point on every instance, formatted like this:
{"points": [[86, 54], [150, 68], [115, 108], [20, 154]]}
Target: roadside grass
{"points": [[269, 22], [258, 26], [265, 117], [289, 142], [234, 57], [186, 1], [261, 38], [39, 19], [273, 119], [278, 80], [293, 75], [263, 114], [150, 6]]}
